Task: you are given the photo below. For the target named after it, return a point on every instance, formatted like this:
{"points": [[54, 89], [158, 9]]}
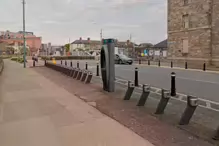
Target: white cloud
{"points": [[57, 20]]}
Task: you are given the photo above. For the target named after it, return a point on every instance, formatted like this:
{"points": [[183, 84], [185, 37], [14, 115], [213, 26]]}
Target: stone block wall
{"points": [[199, 33]]}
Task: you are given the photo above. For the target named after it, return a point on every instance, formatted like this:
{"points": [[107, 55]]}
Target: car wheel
{"points": [[130, 63]]}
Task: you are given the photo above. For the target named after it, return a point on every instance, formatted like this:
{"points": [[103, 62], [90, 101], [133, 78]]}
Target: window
{"points": [[186, 2], [185, 46], [186, 21]]}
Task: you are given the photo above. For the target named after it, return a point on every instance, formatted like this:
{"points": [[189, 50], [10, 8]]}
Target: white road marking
{"points": [[208, 104], [197, 80], [183, 78]]}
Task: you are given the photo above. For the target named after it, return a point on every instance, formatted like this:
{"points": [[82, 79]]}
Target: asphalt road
{"points": [[197, 83]]}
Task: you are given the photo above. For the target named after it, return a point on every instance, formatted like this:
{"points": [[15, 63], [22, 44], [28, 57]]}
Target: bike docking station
{"points": [[107, 64], [84, 75]]}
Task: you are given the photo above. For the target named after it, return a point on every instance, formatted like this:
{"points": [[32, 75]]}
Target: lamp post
{"points": [[24, 39]]}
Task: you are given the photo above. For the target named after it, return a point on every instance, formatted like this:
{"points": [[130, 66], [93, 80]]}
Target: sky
{"points": [[58, 21]]}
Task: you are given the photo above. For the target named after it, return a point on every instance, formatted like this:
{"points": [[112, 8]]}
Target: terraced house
{"points": [[193, 31]]}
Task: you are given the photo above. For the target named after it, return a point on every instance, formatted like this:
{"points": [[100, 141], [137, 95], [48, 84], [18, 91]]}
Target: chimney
{"points": [[88, 40], [80, 38]]}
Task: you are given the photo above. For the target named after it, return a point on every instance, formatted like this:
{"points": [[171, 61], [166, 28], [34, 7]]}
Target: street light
{"points": [[24, 57]]}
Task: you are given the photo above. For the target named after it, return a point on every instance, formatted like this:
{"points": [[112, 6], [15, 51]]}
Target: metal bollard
{"points": [[33, 63], [149, 62], [173, 84], [61, 61], [171, 64], [76, 73], [165, 96], [79, 75], [86, 66], [159, 63], [216, 136], [139, 61], [65, 63], [192, 103], [69, 71], [84, 76], [186, 65], [136, 77], [72, 72], [204, 67], [130, 90], [71, 64], [98, 74], [78, 64], [144, 95], [89, 77], [45, 62]]}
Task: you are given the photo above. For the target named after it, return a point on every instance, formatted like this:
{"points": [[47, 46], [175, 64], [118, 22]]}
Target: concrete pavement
{"points": [[36, 112]]}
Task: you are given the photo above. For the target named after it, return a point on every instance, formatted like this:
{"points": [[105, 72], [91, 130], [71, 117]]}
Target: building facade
{"points": [[193, 32], [33, 42], [87, 44]]}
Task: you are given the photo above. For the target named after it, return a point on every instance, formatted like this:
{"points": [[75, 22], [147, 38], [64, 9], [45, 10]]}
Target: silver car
{"points": [[123, 59]]}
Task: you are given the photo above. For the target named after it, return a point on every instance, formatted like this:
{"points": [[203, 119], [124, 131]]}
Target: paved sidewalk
{"points": [[36, 112]]}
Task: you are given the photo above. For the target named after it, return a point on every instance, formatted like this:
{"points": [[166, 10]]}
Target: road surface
{"points": [[198, 83]]}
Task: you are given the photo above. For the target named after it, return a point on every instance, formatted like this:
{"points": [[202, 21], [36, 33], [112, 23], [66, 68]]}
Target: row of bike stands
{"points": [[83, 75]]}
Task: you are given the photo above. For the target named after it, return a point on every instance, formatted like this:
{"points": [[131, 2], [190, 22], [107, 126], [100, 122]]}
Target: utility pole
{"points": [[24, 43], [101, 36]]}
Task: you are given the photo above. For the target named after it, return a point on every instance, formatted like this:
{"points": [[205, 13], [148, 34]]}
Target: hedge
{"points": [[18, 59], [68, 57]]}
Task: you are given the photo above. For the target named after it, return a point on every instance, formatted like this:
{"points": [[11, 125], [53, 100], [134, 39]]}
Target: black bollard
{"points": [[33, 63], [186, 65], [173, 84], [159, 63], [165, 96], [136, 77], [144, 95], [71, 64], [86, 66], [139, 61], [149, 62], [89, 77], [204, 67], [78, 64], [98, 69], [61, 61], [171, 64], [129, 91], [192, 103], [216, 136], [45, 62], [84, 76], [65, 63]]}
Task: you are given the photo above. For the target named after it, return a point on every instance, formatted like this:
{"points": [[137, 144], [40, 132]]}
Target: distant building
{"points": [[33, 42], [85, 45]]}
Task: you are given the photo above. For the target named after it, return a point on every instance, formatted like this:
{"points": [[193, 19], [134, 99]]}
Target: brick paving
{"points": [[35, 111]]}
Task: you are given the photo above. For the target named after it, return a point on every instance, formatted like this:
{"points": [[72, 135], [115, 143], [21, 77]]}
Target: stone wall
{"points": [[198, 33], [215, 31]]}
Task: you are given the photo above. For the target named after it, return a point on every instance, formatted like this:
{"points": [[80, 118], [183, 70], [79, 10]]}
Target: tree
{"points": [[67, 47]]}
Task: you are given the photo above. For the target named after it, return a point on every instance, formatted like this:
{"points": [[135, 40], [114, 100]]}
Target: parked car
{"points": [[123, 59]]}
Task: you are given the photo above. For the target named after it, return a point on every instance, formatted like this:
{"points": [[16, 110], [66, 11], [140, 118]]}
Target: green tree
{"points": [[67, 47]]}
